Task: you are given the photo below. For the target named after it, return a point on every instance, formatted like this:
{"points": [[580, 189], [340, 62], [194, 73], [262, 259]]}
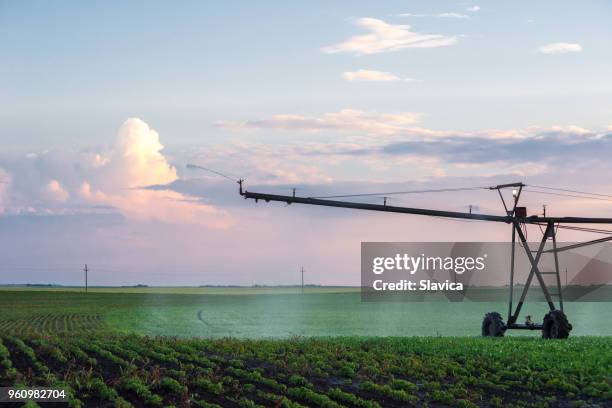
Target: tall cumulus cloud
{"points": [[60, 182]]}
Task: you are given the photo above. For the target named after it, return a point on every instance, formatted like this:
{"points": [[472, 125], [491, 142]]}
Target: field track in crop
{"points": [[263, 313]]}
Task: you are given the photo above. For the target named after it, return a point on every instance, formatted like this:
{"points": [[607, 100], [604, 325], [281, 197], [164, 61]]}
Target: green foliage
{"points": [[351, 399], [171, 385], [5, 357], [131, 370], [299, 381], [205, 404], [121, 403], [404, 385], [209, 386], [136, 386], [99, 388], [387, 391], [278, 400], [256, 377], [247, 403], [312, 398], [442, 396]]}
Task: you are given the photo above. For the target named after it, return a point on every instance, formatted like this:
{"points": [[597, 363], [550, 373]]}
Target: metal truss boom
{"points": [[514, 215], [290, 199]]}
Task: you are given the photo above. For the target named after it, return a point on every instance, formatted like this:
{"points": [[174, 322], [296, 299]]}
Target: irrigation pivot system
{"points": [[555, 323]]}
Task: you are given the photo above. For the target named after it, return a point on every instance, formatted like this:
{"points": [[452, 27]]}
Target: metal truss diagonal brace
{"points": [[548, 233]]}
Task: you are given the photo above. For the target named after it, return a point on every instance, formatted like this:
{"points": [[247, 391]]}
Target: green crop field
{"points": [[124, 371], [239, 347], [264, 312]]}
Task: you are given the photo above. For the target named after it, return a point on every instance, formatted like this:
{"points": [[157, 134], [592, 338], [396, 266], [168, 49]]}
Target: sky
{"points": [[103, 105]]}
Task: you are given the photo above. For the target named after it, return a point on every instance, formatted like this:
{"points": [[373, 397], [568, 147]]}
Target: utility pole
{"points": [[85, 270], [302, 280]]}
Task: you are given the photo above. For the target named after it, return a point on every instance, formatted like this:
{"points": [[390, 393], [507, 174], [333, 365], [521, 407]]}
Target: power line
{"points": [[568, 195], [446, 190], [218, 173], [561, 192], [571, 191], [456, 220], [439, 190], [586, 229]]}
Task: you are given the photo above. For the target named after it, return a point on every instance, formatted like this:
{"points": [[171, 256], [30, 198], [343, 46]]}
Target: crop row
{"points": [[124, 371], [51, 323]]}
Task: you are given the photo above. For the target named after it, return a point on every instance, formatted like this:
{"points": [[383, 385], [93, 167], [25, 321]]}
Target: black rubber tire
{"points": [[555, 325], [493, 325]]}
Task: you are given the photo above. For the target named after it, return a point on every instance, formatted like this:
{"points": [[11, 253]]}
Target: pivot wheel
{"points": [[493, 325], [556, 325]]}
